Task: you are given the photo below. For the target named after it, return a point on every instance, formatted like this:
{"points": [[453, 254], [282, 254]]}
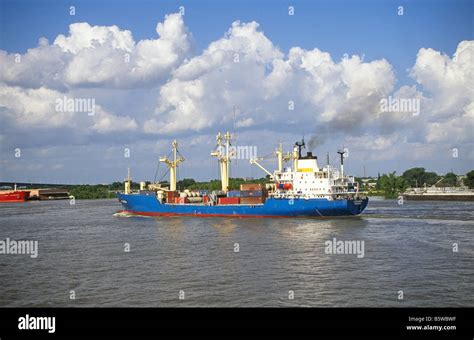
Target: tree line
{"points": [[390, 185]]}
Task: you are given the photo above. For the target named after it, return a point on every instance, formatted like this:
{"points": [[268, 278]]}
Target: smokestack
{"points": [[341, 153]]}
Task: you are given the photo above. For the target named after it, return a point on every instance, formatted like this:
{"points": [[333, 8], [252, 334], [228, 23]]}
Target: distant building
{"points": [[369, 183]]}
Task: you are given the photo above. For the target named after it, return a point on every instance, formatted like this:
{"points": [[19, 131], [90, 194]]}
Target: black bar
{"points": [[141, 323]]}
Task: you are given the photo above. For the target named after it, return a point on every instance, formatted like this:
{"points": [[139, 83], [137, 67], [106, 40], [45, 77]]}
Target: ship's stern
{"points": [[357, 206]]}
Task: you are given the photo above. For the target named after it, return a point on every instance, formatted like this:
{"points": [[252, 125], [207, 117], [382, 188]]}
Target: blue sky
{"points": [[354, 27], [409, 56]]}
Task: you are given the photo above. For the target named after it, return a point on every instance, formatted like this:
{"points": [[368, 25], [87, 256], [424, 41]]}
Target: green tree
{"points": [[185, 183], [91, 191], [430, 178], [469, 180], [449, 180], [392, 185], [116, 186], [419, 177], [414, 176]]}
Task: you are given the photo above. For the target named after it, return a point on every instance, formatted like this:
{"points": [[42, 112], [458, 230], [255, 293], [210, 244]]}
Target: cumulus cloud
{"points": [[33, 107], [242, 79], [245, 68], [204, 89], [449, 81], [448, 85], [38, 108], [99, 56]]}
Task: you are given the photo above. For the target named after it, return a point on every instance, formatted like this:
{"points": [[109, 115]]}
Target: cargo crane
{"points": [[173, 164], [223, 155]]}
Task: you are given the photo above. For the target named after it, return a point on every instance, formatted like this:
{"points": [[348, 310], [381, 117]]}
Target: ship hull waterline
{"points": [[148, 205]]}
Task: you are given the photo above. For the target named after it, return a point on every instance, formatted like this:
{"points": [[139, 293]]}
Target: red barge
{"points": [[13, 196]]}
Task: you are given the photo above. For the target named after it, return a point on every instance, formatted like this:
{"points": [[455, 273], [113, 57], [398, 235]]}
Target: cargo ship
{"points": [[13, 196], [302, 190]]}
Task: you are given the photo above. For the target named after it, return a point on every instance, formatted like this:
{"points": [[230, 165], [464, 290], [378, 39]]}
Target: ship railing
{"points": [[331, 195]]}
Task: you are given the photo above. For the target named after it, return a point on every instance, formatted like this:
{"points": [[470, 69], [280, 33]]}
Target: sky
{"points": [[269, 71]]}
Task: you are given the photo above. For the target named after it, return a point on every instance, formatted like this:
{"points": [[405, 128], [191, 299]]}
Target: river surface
{"points": [[408, 258]]}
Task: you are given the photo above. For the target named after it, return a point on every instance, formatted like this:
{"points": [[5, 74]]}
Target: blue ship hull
{"points": [[148, 205]]}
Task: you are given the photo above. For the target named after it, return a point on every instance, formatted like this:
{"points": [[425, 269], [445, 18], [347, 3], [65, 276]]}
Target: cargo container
{"points": [[181, 200], [251, 193], [251, 200], [233, 193], [205, 199], [251, 186], [229, 200], [170, 196]]}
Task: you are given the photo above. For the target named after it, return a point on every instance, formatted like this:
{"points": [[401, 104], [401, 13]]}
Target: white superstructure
{"points": [[305, 179]]}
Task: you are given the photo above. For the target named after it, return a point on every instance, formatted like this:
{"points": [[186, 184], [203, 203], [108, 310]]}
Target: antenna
{"points": [[233, 112], [234, 137]]}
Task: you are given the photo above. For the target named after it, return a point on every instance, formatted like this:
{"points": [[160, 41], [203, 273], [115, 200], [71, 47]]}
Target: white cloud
{"points": [[99, 56], [339, 100], [33, 107], [244, 122], [83, 36], [105, 122], [449, 85], [374, 143], [246, 69], [449, 81], [457, 129], [37, 108]]}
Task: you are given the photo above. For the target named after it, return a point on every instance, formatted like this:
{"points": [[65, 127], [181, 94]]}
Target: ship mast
{"points": [[128, 182], [173, 164], [223, 156], [282, 157], [279, 153]]}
